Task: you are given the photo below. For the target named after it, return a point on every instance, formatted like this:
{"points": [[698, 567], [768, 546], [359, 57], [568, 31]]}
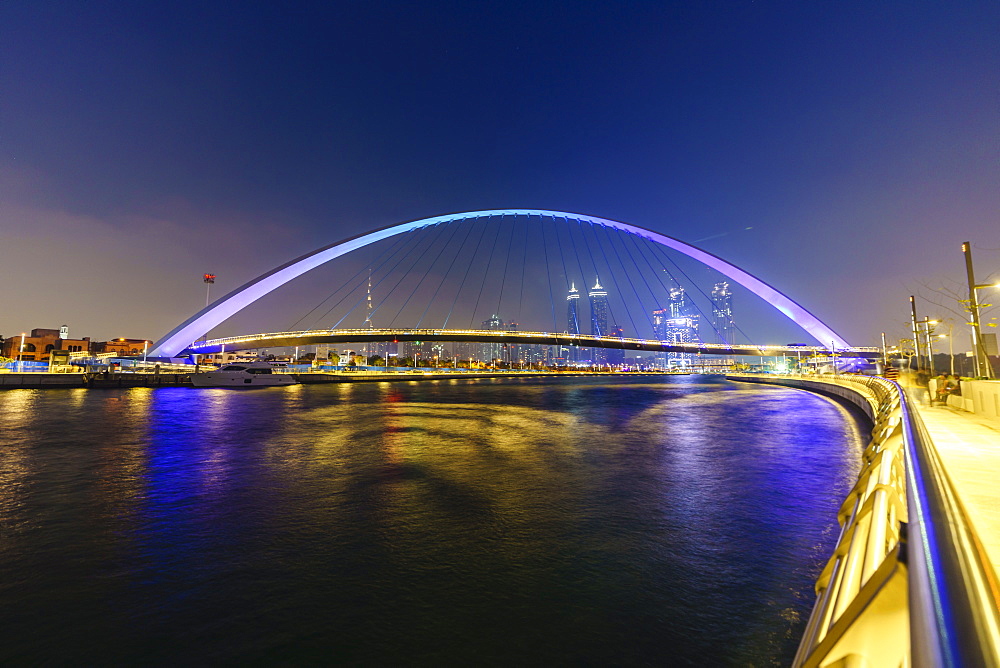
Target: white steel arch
{"points": [[204, 320]]}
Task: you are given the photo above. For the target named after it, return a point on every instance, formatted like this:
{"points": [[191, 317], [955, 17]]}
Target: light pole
{"points": [[927, 322], [916, 334], [209, 279], [20, 354], [885, 354], [983, 366]]}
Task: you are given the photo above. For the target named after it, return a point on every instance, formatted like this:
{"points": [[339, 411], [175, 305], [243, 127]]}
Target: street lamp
{"points": [[20, 354], [916, 334], [983, 366], [927, 322]]}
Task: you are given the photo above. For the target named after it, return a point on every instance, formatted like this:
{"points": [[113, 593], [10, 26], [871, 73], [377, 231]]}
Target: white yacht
{"points": [[243, 374]]}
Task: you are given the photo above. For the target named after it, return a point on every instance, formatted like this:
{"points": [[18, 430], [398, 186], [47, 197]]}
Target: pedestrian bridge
{"points": [[343, 336], [513, 262]]}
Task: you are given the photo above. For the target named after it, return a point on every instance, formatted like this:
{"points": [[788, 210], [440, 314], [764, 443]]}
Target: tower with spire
{"points": [[572, 310], [573, 319], [599, 318], [598, 309]]}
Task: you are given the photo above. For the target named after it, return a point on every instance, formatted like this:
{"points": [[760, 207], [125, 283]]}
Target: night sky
{"points": [[840, 151]]}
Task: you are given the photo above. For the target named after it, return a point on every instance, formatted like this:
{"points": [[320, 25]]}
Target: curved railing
{"points": [[909, 582]]}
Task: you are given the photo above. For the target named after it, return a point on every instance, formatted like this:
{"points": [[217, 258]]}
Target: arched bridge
{"points": [[339, 336], [185, 334]]}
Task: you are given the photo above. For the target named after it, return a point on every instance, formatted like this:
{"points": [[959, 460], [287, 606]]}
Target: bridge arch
{"points": [[204, 320]]}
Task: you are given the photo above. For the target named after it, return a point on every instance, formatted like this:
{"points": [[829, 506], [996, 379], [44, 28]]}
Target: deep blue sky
{"points": [[144, 143]]}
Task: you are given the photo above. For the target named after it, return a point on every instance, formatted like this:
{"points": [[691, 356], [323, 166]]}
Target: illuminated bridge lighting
{"points": [[205, 320], [317, 336]]}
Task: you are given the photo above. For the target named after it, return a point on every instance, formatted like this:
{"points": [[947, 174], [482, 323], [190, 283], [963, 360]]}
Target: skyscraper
{"points": [[599, 318], [678, 303], [492, 351], [676, 324], [722, 313], [572, 312], [598, 309], [573, 320]]}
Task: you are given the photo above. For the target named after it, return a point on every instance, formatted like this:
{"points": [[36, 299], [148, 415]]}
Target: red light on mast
{"points": [[210, 278]]}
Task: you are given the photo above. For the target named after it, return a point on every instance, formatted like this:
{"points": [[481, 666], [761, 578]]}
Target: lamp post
{"points": [[927, 322], [885, 354], [983, 366], [209, 279], [20, 354], [916, 334]]}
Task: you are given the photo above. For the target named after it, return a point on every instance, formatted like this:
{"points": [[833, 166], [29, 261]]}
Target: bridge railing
{"points": [[582, 339], [908, 583]]}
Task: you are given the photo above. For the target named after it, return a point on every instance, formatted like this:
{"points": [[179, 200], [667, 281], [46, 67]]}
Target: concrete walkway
{"points": [[969, 446]]}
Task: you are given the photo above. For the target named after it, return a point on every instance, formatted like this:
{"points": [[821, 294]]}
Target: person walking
{"points": [[922, 381]]}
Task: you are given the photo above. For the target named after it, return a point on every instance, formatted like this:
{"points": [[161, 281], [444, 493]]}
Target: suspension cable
{"points": [[548, 276], [524, 263], [472, 257], [386, 251], [444, 277], [628, 275], [441, 248], [486, 274], [386, 276], [401, 243], [405, 274], [506, 263]]}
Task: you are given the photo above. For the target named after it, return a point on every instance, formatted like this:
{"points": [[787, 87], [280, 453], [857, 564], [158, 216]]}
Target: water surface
{"points": [[574, 521]]}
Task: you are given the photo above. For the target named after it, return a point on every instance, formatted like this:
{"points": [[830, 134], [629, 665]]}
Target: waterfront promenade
{"points": [[969, 447]]}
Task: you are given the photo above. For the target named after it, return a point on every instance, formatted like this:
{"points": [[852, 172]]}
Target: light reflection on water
{"points": [[681, 520]]}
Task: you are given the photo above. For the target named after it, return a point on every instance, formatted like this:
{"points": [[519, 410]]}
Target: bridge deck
{"points": [[338, 336], [969, 446]]}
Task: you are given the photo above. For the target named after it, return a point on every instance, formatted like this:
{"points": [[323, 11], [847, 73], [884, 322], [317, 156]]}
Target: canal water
{"points": [[675, 520]]}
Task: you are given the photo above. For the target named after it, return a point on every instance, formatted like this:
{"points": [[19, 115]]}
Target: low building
{"points": [[38, 346], [122, 347]]}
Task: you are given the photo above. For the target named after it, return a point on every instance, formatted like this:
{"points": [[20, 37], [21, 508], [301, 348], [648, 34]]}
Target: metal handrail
{"points": [[954, 598], [953, 601]]}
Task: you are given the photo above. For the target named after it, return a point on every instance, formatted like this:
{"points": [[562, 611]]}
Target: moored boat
{"points": [[243, 374]]}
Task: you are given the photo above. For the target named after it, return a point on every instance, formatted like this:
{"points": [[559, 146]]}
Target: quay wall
{"points": [[827, 388]]}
